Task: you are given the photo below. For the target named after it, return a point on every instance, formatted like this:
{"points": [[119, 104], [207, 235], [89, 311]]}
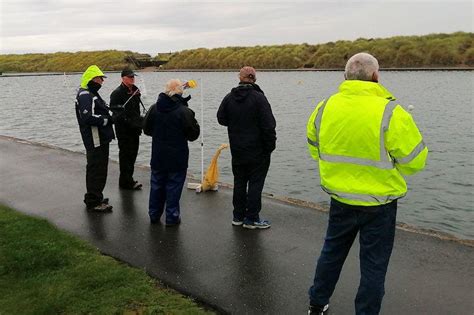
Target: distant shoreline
{"points": [[431, 52], [29, 74]]}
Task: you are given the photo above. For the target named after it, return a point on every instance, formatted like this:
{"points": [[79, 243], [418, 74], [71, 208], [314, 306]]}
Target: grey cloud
{"points": [[154, 26]]}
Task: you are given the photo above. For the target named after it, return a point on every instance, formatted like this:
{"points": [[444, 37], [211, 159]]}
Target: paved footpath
{"points": [[235, 270]]}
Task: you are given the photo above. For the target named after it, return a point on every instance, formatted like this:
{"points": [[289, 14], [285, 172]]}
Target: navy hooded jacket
{"points": [[171, 124], [94, 119]]}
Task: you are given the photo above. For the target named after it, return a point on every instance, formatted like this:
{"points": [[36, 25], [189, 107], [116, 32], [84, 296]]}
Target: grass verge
{"points": [[47, 271]]}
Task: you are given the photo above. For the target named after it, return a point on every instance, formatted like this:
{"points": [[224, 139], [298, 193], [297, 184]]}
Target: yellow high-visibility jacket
{"points": [[364, 143]]}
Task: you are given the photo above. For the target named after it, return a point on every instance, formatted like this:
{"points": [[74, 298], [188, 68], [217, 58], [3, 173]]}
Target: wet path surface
{"points": [[236, 270]]}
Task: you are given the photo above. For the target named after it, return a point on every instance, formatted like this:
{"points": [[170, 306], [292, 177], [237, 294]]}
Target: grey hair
{"points": [[174, 86], [361, 66]]}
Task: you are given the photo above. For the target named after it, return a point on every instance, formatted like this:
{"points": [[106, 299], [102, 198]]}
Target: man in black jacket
{"points": [[251, 128], [125, 103], [95, 124], [171, 124]]}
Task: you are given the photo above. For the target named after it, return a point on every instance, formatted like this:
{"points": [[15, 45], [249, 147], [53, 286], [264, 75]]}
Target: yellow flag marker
{"points": [[191, 84]]}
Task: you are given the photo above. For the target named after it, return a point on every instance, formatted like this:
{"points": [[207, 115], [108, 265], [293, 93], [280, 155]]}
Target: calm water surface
{"points": [[441, 197]]}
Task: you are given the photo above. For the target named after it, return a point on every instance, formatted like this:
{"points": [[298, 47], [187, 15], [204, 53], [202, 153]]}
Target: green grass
{"points": [[46, 271]]}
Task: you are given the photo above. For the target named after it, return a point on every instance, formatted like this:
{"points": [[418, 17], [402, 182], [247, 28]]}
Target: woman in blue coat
{"points": [[171, 124]]}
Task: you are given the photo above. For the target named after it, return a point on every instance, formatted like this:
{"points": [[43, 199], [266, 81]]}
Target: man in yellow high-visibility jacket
{"points": [[364, 142]]}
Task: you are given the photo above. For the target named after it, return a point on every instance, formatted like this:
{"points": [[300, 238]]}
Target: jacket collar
{"points": [[166, 103], [356, 87], [248, 86], [129, 91]]}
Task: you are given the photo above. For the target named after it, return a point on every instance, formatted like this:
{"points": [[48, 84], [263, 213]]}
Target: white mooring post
{"points": [[197, 186], [202, 134]]}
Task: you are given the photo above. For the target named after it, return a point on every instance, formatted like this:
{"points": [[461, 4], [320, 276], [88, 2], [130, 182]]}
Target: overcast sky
{"points": [[161, 26]]}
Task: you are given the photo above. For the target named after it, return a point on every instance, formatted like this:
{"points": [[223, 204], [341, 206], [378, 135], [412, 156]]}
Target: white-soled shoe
{"points": [[260, 224]]}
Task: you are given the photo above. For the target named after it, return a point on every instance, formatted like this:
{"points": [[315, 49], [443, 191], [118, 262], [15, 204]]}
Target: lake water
{"points": [[41, 109]]}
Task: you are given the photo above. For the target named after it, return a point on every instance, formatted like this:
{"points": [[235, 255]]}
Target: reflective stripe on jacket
{"points": [[364, 143]]}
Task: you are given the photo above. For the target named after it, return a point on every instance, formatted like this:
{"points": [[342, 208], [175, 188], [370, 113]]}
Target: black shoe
{"points": [[155, 221], [136, 186], [237, 222], [174, 224], [318, 310], [102, 207]]}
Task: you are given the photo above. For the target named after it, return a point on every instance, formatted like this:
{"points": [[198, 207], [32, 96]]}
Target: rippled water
{"points": [[440, 198]]}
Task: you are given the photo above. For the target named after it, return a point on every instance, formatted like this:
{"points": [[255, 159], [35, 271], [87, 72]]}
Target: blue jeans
{"points": [[376, 227], [166, 188]]}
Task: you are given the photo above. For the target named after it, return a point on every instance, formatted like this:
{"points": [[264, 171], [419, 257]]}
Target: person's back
{"points": [[251, 132], [357, 149], [169, 139]]}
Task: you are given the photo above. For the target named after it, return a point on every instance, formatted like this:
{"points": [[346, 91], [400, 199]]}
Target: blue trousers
{"points": [[166, 188], [376, 228]]}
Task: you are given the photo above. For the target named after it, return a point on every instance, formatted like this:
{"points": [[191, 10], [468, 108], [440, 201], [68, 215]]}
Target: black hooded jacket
{"points": [[171, 124], [250, 123]]}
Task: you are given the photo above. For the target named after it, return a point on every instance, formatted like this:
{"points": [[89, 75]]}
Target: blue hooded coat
{"points": [[171, 124]]}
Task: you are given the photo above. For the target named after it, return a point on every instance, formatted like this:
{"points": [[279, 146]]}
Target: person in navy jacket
{"points": [[171, 124], [95, 124]]}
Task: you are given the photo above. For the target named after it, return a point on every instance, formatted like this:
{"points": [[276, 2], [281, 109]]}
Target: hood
{"points": [[358, 87], [243, 90], [91, 72], [167, 104]]}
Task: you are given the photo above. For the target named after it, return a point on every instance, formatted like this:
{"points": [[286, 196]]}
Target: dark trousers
{"points": [[248, 185], [128, 150], [96, 174], [376, 227], [166, 188]]}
